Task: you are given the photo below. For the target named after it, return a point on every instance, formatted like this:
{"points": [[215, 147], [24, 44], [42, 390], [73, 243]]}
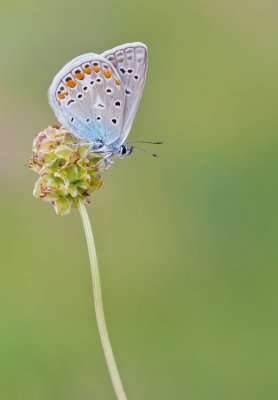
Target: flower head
{"points": [[67, 169]]}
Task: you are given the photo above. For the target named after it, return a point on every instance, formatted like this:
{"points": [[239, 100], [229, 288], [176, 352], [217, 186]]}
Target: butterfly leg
{"points": [[107, 162]]}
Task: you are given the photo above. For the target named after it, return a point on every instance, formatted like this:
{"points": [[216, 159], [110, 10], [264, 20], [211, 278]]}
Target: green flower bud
{"points": [[67, 169]]}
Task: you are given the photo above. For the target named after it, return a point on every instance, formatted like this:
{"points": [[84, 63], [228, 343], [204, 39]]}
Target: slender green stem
{"points": [[114, 373]]}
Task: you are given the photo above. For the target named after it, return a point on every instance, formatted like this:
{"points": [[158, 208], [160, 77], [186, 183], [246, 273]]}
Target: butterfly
{"points": [[97, 96]]}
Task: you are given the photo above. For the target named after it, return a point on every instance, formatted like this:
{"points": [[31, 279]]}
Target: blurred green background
{"points": [[187, 243]]}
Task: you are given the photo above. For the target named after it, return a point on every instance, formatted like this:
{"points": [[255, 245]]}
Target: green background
{"points": [[187, 243]]}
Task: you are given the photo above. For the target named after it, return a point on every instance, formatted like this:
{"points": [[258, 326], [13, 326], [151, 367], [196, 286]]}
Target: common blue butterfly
{"points": [[97, 96]]}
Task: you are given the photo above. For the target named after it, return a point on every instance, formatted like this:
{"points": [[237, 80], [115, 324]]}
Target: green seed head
{"points": [[66, 167]]}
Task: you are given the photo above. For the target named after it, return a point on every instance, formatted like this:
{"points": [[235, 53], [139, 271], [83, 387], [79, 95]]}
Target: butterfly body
{"points": [[96, 96]]}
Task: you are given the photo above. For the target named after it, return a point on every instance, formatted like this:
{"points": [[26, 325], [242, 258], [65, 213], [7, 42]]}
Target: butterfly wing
{"points": [[88, 98], [130, 61]]}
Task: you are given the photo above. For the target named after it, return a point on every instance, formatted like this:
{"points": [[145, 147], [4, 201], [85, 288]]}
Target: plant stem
{"points": [[111, 363]]}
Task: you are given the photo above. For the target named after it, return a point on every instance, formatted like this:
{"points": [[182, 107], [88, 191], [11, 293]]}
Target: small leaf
{"points": [[64, 152], [62, 206]]}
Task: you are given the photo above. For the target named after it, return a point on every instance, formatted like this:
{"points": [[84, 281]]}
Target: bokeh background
{"points": [[187, 243]]}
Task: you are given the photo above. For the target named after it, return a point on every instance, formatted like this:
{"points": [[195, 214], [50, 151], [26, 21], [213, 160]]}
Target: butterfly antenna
{"points": [[142, 141], [145, 151]]}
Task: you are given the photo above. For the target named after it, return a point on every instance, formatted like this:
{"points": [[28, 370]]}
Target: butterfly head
{"points": [[124, 151], [127, 148]]}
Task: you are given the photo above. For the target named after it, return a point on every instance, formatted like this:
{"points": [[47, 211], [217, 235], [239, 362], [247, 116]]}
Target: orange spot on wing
{"points": [[80, 75], [71, 83], [117, 81], [88, 70], [61, 95], [96, 69], [107, 73], [66, 93]]}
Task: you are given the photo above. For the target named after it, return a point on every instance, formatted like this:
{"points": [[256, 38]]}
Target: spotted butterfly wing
{"points": [[88, 98], [130, 61]]}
